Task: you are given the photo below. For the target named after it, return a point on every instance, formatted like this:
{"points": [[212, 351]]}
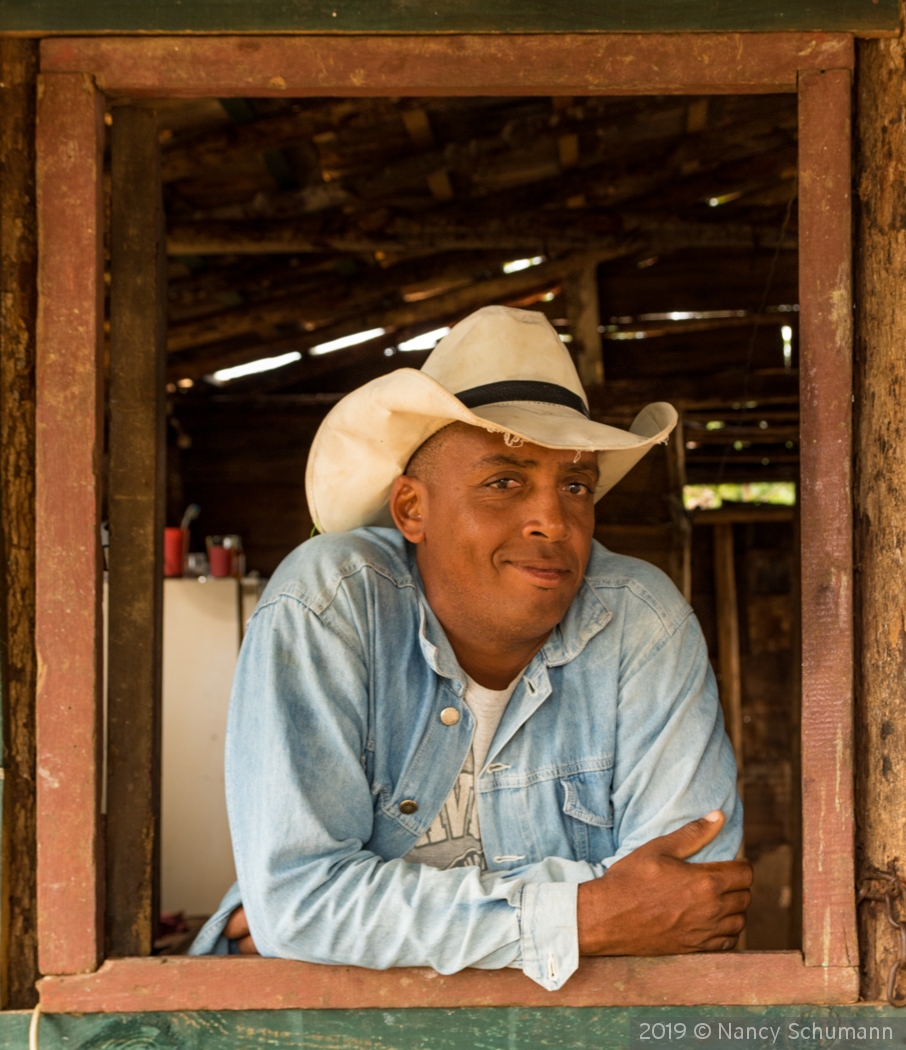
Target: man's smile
{"points": [[542, 573]]}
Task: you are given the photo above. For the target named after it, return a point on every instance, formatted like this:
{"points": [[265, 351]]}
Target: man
{"points": [[476, 738]]}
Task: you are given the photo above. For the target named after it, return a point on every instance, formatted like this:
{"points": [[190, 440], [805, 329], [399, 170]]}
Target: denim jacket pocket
{"points": [[589, 813]]}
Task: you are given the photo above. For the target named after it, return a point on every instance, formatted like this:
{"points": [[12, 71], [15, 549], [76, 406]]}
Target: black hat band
{"points": [[523, 390]]}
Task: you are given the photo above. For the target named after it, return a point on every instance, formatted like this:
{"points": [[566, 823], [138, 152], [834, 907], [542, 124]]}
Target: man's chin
{"points": [[537, 609]]}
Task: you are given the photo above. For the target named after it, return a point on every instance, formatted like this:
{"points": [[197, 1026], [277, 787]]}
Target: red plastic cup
{"points": [[176, 544], [221, 561]]}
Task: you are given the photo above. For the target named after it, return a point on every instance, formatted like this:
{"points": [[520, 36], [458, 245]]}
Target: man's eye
{"points": [[578, 488], [502, 483]]}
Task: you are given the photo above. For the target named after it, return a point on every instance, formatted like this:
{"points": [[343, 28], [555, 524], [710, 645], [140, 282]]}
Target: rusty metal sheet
{"points": [[510, 64], [68, 552], [245, 983], [825, 332]]}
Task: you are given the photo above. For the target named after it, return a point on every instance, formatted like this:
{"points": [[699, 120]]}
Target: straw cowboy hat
{"points": [[501, 369]]}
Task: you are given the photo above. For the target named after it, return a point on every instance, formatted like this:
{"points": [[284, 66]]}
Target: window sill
{"points": [[239, 983]]}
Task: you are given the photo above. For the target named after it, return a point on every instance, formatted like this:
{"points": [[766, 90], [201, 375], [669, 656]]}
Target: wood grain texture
{"points": [[569, 1028], [581, 292], [18, 310], [880, 484], [507, 232], [68, 551], [136, 512], [245, 983], [728, 636], [825, 326], [537, 64], [169, 16]]}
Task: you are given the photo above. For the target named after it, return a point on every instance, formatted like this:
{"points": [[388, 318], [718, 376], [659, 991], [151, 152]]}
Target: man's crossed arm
{"points": [[651, 902]]}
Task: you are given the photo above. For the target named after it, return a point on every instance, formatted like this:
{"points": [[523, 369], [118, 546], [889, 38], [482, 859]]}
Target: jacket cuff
{"points": [[549, 932]]}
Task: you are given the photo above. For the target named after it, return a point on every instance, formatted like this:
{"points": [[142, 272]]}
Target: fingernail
{"points": [[714, 816]]}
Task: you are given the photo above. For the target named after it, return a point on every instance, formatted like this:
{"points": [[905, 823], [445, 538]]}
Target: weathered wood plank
{"points": [[363, 312], [880, 487], [743, 515], [246, 983], [516, 1029], [728, 637], [717, 390], [491, 233], [530, 64], [18, 310], [124, 16], [825, 327], [580, 289], [437, 310], [68, 550], [136, 493]]}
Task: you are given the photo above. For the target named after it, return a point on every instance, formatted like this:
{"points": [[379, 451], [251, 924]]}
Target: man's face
{"points": [[503, 534]]}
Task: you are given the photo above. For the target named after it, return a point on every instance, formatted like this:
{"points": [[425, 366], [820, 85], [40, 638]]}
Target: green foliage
{"points": [[708, 497]]}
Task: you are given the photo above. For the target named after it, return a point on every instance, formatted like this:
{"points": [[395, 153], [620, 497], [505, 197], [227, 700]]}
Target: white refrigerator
{"points": [[203, 625]]}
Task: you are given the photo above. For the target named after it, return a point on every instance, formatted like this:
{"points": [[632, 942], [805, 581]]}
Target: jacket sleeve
{"points": [[674, 762], [301, 808]]}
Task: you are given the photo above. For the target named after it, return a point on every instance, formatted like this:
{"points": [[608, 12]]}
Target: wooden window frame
{"points": [[76, 73]]}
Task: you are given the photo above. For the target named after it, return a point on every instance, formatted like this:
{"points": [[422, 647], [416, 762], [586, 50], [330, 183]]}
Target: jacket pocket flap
{"points": [[579, 796]]}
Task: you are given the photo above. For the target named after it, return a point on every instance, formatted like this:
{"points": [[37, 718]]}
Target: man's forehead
{"points": [[490, 449], [535, 455]]}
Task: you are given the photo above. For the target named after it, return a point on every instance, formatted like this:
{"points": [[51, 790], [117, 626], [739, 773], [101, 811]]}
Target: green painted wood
{"points": [[461, 16], [489, 1029]]}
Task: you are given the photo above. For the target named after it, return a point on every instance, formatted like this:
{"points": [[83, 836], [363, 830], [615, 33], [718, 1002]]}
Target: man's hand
{"points": [[237, 929], [652, 902]]}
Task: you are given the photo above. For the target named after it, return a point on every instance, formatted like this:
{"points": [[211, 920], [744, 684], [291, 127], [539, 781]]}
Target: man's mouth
{"points": [[542, 574]]}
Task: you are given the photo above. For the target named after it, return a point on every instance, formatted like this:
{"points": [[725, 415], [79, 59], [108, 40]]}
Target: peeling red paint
{"points": [[825, 327], [68, 553], [236, 982], [456, 64]]}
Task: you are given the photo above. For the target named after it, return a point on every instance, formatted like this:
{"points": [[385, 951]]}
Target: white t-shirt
{"points": [[454, 838]]}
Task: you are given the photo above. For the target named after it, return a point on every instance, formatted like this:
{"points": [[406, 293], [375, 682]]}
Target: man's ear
{"points": [[409, 506]]}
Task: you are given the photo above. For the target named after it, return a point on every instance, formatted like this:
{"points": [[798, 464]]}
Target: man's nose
{"points": [[545, 516]]}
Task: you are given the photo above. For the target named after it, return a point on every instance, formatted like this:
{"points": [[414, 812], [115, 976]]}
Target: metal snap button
{"points": [[449, 716], [408, 805]]}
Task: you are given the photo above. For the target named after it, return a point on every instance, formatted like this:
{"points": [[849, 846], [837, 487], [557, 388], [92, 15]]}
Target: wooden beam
{"points": [[196, 366], [743, 514], [825, 351], [679, 519], [728, 638], [729, 473], [436, 232], [580, 289], [454, 303], [752, 146], [327, 298], [237, 983], [509, 63], [381, 16], [214, 149], [70, 137], [880, 496], [655, 330], [755, 435], [18, 671], [136, 512], [718, 390]]}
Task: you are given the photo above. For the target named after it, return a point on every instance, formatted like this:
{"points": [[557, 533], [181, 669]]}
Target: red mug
{"points": [[221, 561], [176, 546]]}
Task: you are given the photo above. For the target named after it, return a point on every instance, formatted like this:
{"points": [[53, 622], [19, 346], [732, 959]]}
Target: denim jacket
{"points": [[613, 736]]}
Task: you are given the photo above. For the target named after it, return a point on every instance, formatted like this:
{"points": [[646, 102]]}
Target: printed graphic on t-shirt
{"points": [[454, 838]]}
